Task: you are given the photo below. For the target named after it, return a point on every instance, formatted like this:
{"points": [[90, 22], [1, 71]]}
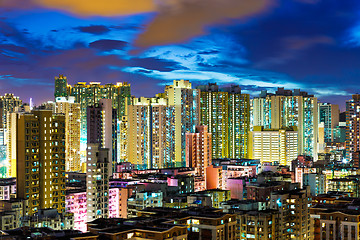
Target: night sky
{"points": [[260, 44]]}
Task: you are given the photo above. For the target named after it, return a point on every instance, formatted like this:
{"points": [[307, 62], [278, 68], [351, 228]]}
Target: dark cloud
{"points": [[209, 52], [13, 48], [154, 64], [94, 29], [127, 27], [302, 39], [108, 44]]}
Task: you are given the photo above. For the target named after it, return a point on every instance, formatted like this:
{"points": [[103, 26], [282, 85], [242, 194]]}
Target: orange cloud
{"points": [[100, 7], [87, 7], [179, 20], [176, 20]]}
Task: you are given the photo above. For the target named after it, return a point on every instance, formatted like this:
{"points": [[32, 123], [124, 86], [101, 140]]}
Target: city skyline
{"points": [[180, 119], [260, 45]]}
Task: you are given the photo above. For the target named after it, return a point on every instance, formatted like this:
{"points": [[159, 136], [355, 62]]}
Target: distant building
{"points": [[198, 150], [7, 188], [8, 103], [186, 102], [352, 126], [11, 139], [71, 110], [12, 213], [50, 218], [350, 184], [214, 177], [278, 146], [226, 112], [256, 224], [101, 129], [143, 200], [316, 181], [89, 94], [288, 108], [151, 133], [61, 86], [329, 115]]}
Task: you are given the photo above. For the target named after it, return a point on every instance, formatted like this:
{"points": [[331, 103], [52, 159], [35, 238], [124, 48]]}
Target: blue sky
{"points": [[259, 44]]}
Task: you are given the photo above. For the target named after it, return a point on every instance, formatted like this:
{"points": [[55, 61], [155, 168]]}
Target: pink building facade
{"points": [[76, 204], [114, 202], [198, 150]]}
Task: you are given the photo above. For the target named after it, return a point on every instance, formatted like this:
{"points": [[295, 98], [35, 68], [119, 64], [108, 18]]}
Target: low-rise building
{"points": [[343, 224], [253, 225], [76, 204], [50, 218], [217, 196], [169, 224], [348, 184], [7, 188], [12, 213], [143, 200]]}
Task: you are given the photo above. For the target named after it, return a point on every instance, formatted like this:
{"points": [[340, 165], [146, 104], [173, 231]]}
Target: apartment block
{"points": [[198, 150], [40, 151], [276, 146], [71, 110], [227, 114]]}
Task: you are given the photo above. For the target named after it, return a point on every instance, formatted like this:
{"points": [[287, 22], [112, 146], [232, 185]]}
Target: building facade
{"points": [[227, 114], [198, 150], [352, 126], [186, 103], [40, 149], [279, 146], [288, 108], [102, 129], [71, 110], [97, 182], [329, 115], [151, 133]]}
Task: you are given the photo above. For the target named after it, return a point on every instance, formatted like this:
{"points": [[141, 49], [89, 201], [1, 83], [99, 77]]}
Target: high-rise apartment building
{"points": [[11, 139], [40, 150], [123, 128], [288, 108], [198, 150], [151, 133], [352, 126], [186, 102], [102, 129], [71, 110], [227, 113], [8, 103], [329, 115], [61, 86], [277, 146], [97, 182], [89, 95]]}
